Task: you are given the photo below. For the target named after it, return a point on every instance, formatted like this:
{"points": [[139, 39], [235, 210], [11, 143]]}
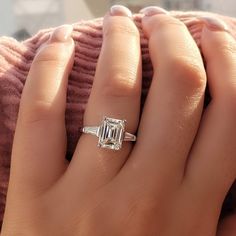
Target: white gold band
{"points": [[94, 130]]}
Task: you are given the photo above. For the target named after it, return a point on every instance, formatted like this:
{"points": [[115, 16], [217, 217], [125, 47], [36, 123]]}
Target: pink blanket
{"points": [[15, 61]]}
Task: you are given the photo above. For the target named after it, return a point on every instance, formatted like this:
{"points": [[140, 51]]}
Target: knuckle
{"points": [[52, 55], [37, 111], [123, 26], [228, 47], [188, 72], [225, 44], [121, 82], [163, 21]]}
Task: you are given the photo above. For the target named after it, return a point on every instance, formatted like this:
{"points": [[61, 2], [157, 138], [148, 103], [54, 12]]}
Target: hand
{"points": [[172, 181]]}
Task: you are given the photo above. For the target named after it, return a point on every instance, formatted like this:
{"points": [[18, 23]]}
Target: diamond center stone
{"points": [[111, 133]]}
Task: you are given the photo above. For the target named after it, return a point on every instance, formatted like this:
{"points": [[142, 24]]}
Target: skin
{"points": [[172, 181]]}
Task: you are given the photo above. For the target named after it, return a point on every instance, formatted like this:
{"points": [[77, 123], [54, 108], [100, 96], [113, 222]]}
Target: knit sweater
{"points": [[15, 61]]}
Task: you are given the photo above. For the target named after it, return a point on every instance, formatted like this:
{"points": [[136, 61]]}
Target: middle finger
{"points": [[116, 94], [174, 104]]}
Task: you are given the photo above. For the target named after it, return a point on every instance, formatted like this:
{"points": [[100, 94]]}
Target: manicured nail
{"points": [[214, 23], [151, 11], [119, 10], [61, 34]]}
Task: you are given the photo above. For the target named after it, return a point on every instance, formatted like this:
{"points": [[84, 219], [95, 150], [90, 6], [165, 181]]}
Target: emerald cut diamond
{"points": [[111, 133]]}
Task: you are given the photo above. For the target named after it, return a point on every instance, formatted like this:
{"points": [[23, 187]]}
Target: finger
{"points": [[38, 155], [212, 164], [174, 104], [116, 93]]}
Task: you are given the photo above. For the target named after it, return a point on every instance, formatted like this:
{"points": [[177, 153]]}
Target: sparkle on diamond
{"points": [[111, 133]]}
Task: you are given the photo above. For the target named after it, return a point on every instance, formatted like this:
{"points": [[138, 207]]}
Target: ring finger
{"points": [[116, 94], [174, 104]]}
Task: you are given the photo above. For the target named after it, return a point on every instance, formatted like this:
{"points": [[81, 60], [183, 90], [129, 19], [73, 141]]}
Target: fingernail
{"points": [[214, 23], [153, 10], [61, 34], [119, 10]]}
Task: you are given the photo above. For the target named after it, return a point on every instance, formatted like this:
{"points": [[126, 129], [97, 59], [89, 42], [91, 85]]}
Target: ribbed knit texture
{"points": [[15, 61]]}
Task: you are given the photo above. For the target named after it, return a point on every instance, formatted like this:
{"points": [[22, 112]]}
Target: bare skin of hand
{"points": [[172, 181]]}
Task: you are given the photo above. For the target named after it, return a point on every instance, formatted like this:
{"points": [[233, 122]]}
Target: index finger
{"points": [[38, 154]]}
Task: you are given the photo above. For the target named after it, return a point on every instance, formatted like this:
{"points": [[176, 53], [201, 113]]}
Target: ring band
{"points": [[111, 133]]}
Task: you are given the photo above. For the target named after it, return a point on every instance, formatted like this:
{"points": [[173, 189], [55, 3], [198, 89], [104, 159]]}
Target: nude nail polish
{"points": [[153, 10], [61, 34], [214, 23], [119, 10]]}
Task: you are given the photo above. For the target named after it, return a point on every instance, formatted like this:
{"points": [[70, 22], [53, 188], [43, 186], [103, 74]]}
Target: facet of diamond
{"points": [[111, 133]]}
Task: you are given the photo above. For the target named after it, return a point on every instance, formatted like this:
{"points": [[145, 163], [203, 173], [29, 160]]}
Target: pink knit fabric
{"points": [[16, 58]]}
